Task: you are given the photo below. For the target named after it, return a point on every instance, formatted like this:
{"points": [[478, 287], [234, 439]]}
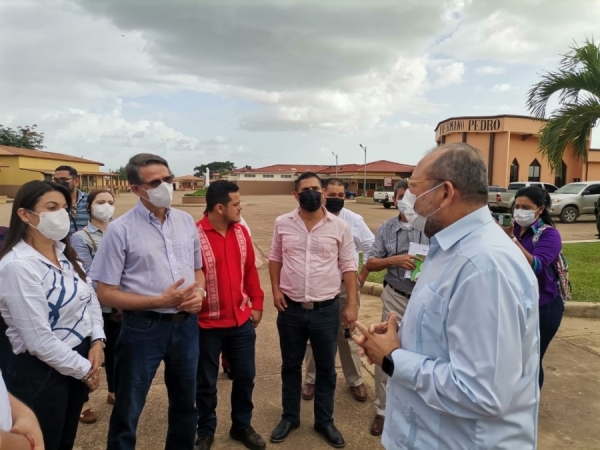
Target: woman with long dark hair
{"points": [[52, 313], [534, 233]]}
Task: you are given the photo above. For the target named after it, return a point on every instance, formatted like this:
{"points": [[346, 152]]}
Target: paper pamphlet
{"points": [[417, 250]]}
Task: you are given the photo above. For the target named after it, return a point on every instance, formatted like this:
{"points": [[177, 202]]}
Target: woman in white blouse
{"points": [[53, 316]]}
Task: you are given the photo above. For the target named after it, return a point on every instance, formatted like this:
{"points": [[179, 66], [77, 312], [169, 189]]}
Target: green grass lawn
{"points": [[584, 271]]}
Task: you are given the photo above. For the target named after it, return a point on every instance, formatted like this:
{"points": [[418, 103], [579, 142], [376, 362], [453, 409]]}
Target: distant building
{"points": [[510, 147], [280, 178], [188, 182], [20, 165]]}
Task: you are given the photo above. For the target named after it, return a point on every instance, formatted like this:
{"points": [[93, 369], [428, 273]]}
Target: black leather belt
{"points": [[312, 305], [397, 291], [161, 317]]}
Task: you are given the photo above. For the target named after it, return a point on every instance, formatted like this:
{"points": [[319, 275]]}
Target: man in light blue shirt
{"points": [[463, 365]]}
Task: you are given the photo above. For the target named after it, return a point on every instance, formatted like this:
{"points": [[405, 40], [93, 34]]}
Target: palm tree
{"points": [[577, 79]]}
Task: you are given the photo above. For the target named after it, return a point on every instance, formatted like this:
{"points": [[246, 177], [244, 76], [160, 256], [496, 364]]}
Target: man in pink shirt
{"points": [[310, 247]]}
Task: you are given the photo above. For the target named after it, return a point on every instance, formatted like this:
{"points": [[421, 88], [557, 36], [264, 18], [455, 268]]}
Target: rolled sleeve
{"points": [[347, 262], [27, 306], [485, 359], [275, 252], [378, 248], [109, 261]]}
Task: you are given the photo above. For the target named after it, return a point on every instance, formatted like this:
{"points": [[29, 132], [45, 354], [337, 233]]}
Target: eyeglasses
{"points": [[156, 183], [412, 183], [63, 180]]}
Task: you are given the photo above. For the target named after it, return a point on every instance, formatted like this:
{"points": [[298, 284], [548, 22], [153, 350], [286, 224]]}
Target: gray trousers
{"points": [[347, 348], [392, 301]]}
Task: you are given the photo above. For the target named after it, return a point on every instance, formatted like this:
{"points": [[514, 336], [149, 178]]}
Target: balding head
{"points": [[463, 166]]}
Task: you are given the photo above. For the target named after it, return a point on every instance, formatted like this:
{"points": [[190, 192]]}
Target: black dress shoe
{"points": [[282, 430], [204, 442], [332, 435], [250, 438]]}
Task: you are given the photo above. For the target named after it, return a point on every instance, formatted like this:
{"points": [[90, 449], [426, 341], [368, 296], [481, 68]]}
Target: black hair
{"points": [[27, 198], [72, 171], [540, 197], [332, 181], [132, 169], [218, 193], [306, 176], [92, 196]]}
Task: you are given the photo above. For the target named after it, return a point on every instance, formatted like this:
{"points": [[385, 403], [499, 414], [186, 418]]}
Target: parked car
{"points": [[350, 195], [385, 198], [499, 201], [574, 199]]}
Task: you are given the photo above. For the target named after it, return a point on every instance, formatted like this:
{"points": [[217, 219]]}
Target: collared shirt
{"points": [[79, 214], [311, 261], [467, 373], [48, 310], [6, 422], [229, 286], [393, 238], [86, 248], [143, 256], [545, 256], [363, 237]]}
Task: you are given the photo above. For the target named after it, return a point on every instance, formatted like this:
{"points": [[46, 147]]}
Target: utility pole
{"points": [[336, 163], [364, 192]]}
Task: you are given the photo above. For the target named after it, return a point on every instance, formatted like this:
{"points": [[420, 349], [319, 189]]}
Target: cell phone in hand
{"points": [[502, 219], [347, 333]]}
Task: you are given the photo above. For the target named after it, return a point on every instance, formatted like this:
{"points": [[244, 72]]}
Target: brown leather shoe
{"points": [[88, 416], [308, 391], [359, 392], [377, 425]]}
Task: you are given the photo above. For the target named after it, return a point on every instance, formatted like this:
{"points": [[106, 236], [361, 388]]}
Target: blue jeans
{"points": [[142, 345], [550, 317], [296, 326], [238, 343]]}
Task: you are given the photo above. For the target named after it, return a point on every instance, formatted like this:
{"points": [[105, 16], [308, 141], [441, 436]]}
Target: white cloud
{"points": [[450, 74], [501, 87], [490, 70]]}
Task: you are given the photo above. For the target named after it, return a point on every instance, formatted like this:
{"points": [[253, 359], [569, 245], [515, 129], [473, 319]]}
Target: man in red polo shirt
{"points": [[231, 311]]}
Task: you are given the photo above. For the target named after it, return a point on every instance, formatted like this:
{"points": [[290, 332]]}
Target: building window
{"points": [[534, 171], [286, 176], [267, 175], [514, 171], [249, 175], [370, 186]]}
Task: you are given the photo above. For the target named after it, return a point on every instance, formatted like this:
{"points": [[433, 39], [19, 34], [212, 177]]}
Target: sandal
{"points": [[88, 416]]}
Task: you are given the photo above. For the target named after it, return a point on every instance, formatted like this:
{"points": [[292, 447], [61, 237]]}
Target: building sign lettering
{"points": [[469, 125]]}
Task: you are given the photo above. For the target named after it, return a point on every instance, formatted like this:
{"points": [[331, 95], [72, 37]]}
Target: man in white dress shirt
{"points": [[334, 194]]}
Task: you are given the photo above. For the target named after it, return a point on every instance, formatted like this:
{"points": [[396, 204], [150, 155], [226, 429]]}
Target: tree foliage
{"points": [[577, 80], [22, 137], [214, 167], [121, 172]]}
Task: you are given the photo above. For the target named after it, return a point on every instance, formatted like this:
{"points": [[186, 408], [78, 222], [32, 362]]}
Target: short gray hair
{"points": [[462, 165], [132, 169], [400, 184]]}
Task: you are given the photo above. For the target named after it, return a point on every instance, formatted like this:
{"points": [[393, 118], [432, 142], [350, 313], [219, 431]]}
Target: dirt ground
{"points": [[570, 401]]}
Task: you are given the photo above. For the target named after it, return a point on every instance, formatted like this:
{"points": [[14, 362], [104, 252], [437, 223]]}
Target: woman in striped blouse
{"points": [[53, 316]]}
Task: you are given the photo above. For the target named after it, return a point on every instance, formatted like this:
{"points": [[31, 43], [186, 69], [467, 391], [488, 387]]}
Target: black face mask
{"points": [[310, 201], [64, 184], [334, 205]]}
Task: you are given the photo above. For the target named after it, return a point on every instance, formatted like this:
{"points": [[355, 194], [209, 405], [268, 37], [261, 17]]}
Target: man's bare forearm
{"points": [[275, 274], [377, 264], [112, 297], [350, 282], [200, 279]]}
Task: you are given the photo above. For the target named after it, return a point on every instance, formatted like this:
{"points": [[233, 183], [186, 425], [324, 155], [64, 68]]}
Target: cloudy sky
{"points": [[271, 81]]}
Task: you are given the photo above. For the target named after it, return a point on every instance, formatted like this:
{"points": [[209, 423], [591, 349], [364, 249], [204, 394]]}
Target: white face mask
{"points": [[161, 196], [524, 217], [54, 225], [414, 219], [103, 212], [401, 206]]}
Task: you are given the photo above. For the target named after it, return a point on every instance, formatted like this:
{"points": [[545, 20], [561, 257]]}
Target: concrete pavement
{"points": [[570, 401]]}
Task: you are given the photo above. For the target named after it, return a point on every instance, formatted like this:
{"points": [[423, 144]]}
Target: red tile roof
{"points": [[188, 178], [375, 166], [5, 150]]}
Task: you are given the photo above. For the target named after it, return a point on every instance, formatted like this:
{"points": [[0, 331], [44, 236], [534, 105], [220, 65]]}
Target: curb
{"points": [[581, 310]]}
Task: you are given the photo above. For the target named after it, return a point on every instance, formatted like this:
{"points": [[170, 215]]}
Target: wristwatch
{"points": [[99, 340], [202, 290], [514, 239], [387, 365]]}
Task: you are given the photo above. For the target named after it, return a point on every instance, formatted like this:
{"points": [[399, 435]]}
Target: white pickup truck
{"points": [[503, 200], [386, 198]]}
